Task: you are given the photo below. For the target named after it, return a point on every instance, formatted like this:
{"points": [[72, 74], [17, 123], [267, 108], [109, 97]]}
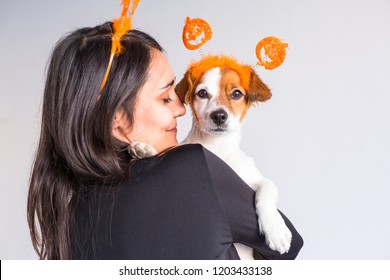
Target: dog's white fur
{"points": [[224, 140]]}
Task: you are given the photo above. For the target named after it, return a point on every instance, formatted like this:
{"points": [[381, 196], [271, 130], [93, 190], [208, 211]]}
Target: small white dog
{"points": [[219, 98]]}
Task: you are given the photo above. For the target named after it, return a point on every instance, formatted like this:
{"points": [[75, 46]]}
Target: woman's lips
{"points": [[172, 130]]}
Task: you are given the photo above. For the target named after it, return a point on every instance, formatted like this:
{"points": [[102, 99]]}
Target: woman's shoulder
{"points": [[185, 152], [180, 158], [184, 165], [192, 155]]}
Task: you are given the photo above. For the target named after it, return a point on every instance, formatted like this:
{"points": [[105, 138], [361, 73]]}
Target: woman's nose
{"points": [[178, 108]]}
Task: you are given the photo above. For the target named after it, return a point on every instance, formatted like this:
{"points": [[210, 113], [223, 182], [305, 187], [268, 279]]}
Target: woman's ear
{"points": [[118, 119], [120, 126], [258, 91], [184, 87]]}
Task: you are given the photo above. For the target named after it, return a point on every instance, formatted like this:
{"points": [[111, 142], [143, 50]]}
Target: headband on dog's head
{"points": [[198, 68], [270, 51], [121, 26]]}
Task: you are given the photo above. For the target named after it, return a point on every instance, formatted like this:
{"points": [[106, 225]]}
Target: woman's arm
{"points": [[237, 200]]}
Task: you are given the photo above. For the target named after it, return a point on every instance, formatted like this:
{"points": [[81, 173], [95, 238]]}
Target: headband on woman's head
{"points": [[121, 26]]}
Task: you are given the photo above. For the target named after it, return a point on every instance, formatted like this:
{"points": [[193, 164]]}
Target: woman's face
{"points": [[156, 109]]}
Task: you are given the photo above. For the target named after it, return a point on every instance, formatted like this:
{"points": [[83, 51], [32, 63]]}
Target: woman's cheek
{"points": [[165, 118]]}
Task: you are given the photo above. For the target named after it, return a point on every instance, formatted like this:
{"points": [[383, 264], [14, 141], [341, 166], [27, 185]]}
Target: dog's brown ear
{"points": [[183, 88], [258, 91]]}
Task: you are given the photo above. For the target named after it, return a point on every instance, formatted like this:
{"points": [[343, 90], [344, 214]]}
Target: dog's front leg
{"points": [[277, 235]]}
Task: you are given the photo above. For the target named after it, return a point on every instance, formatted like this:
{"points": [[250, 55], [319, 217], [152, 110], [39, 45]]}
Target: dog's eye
{"points": [[202, 93], [236, 95]]}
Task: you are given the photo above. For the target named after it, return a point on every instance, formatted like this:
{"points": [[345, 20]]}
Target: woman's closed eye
{"points": [[167, 100]]}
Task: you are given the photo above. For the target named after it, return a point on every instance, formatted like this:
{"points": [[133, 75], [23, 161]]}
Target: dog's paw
{"points": [[277, 235], [141, 150]]}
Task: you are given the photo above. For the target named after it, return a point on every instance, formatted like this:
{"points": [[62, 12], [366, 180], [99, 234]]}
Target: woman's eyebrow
{"points": [[171, 83]]}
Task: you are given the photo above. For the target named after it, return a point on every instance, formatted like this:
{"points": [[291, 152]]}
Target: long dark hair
{"points": [[76, 148]]}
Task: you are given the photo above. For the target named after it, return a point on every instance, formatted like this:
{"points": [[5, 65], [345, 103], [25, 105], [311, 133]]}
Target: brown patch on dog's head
{"points": [[258, 91], [184, 88], [185, 91], [232, 94]]}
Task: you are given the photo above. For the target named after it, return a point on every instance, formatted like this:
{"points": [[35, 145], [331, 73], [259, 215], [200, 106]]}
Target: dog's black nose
{"points": [[219, 117]]}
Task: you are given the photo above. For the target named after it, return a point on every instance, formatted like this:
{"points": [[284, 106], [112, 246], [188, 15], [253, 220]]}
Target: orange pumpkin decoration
{"points": [[274, 49], [192, 31]]}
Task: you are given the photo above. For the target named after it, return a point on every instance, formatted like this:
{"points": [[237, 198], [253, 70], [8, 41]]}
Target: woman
{"points": [[93, 200]]}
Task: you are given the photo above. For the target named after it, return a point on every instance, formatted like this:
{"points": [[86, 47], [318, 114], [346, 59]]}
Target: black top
{"points": [[184, 204]]}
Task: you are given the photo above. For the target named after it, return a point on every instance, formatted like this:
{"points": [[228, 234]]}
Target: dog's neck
{"points": [[214, 142]]}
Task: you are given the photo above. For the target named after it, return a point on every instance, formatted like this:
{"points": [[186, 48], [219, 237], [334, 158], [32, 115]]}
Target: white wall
{"points": [[323, 137]]}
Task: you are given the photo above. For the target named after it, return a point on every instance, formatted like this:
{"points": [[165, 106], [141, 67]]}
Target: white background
{"points": [[323, 138]]}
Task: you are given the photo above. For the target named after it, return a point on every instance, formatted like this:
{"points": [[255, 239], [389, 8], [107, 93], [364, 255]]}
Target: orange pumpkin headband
{"points": [[121, 26], [270, 51]]}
